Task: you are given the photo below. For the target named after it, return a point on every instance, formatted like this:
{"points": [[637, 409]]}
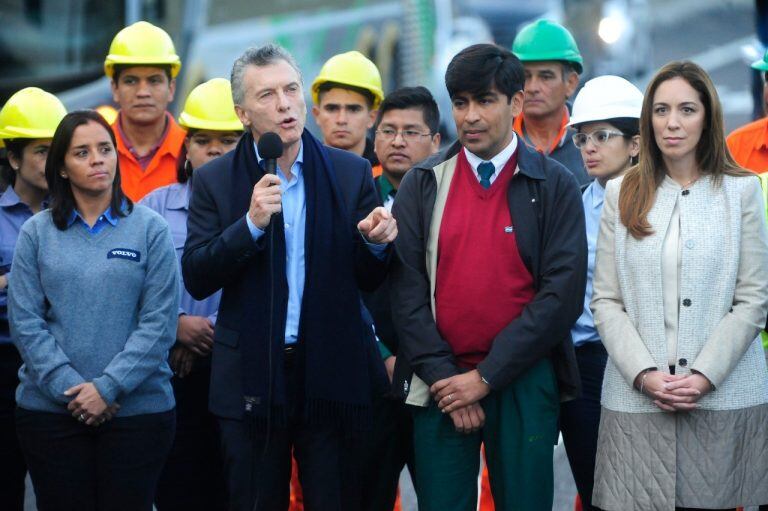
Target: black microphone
{"points": [[270, 148]]}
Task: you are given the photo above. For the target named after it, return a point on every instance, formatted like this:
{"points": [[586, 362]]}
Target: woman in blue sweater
{"points": [[92, 305]]}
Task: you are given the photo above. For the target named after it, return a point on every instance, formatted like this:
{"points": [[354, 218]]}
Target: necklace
{"points": [[690, 182]]}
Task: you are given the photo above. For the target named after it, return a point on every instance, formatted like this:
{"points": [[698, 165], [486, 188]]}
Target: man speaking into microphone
{"points": [[290, 251]]}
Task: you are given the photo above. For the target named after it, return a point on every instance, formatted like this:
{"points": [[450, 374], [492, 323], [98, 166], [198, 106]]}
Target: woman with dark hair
{"points": [[92, 305], [679, 301], [192, 478], [27, 122], [606, 117]]}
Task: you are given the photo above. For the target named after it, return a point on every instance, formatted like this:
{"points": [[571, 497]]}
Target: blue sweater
{"points": [[95, 307]]}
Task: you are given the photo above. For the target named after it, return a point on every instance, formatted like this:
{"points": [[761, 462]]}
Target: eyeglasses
{"points": [[388, 134], [598, 137]]}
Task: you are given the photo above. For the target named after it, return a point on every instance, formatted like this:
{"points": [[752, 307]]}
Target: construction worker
{"points": [[27, 123], [749, 144], [142, 64], [552, 65], [346, 97], [192, 478]]}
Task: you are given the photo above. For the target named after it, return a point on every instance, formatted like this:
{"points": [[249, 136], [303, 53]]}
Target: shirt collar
{"points": [[597, 192], [559, 140], [129, 145], [498, 161], [108, 215], [299, 157], [9, 198], [385, 188]]}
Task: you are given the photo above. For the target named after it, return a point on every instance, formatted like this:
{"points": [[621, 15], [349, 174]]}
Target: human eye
{"points": [[42, 151], [388, 132], [229, 141], [411, 134], [601, 136], [459, 103], [579, 139], [106, 149], [659, 110]]}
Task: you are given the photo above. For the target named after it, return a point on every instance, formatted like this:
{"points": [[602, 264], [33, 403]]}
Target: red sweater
{"points": [[482, 284]]}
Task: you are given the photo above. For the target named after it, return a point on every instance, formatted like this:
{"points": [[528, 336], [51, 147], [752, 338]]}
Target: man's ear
{"points": [[243, 118], [571, 83], [372, 114], [517, 103]]}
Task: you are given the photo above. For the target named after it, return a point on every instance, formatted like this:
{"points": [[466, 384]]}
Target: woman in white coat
{"points": [[680, 296]]}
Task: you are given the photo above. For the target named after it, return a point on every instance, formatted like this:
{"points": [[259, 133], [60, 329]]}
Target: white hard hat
{"points": [[606, 97]]}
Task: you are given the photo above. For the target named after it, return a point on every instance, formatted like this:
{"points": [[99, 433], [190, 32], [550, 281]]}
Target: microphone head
{"points": [[270, 146]]}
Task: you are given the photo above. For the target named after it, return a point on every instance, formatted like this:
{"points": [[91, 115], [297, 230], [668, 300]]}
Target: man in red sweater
{"points": [[489, 278]]}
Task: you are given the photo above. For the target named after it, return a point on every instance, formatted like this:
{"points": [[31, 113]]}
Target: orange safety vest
{"points": [[137, 182], [749, 146], [518, 127]]}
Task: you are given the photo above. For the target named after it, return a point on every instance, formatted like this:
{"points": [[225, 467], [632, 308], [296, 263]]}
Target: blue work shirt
{"points": [[294, 218], [13, 213], [105, 219], [172, 203], [584, 330]]}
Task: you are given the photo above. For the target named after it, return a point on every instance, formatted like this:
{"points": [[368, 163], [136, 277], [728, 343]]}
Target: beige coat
{"points": [[724, 294]]}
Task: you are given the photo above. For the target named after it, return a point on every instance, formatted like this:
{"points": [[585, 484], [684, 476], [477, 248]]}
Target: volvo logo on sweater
{"points": [[124, 253]]}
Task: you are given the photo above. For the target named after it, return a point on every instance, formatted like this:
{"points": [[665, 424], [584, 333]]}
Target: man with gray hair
{"points": [[292, 358]]}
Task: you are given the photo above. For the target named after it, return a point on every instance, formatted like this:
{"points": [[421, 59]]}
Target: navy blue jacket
{"points": [[219, 247]]}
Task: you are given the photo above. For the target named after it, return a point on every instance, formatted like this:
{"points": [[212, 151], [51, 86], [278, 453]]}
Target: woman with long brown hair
{"points": [[679, 300]]}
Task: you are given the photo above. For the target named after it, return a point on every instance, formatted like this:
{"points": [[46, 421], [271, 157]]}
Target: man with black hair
{"points": [[552, 64], [406, 133], [346, 96], [488, 282], [142, 65]]}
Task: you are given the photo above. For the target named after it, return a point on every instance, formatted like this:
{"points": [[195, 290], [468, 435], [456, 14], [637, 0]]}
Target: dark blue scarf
{"points": [[331, 346]]}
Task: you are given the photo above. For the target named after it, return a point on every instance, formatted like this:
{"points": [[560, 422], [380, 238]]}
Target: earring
{"points": [[188, 168]]}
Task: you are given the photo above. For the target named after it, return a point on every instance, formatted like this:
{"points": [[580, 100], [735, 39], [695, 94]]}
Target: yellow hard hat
{"points": [[210, 107], [31, 113], [108, 112], [351, 68], [142, 44]]}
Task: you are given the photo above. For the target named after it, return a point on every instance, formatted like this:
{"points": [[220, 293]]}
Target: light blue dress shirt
{"points": [[294, 218], [172, 203], [584, 330], [13, 213]]}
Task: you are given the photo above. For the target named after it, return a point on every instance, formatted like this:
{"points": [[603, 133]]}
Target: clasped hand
{"points": [[675, 393], [459, 396], [88, 406]]}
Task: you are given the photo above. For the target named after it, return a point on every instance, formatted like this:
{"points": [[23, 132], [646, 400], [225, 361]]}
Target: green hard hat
{"points": [[547, 40], [761, 64]]}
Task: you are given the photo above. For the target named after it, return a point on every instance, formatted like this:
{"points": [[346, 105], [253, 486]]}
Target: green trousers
{"points": [[519, 435]]}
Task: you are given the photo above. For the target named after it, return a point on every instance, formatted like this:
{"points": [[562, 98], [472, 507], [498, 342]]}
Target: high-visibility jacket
{"points": [[749, 145], [161, 171], [764, 186]]}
